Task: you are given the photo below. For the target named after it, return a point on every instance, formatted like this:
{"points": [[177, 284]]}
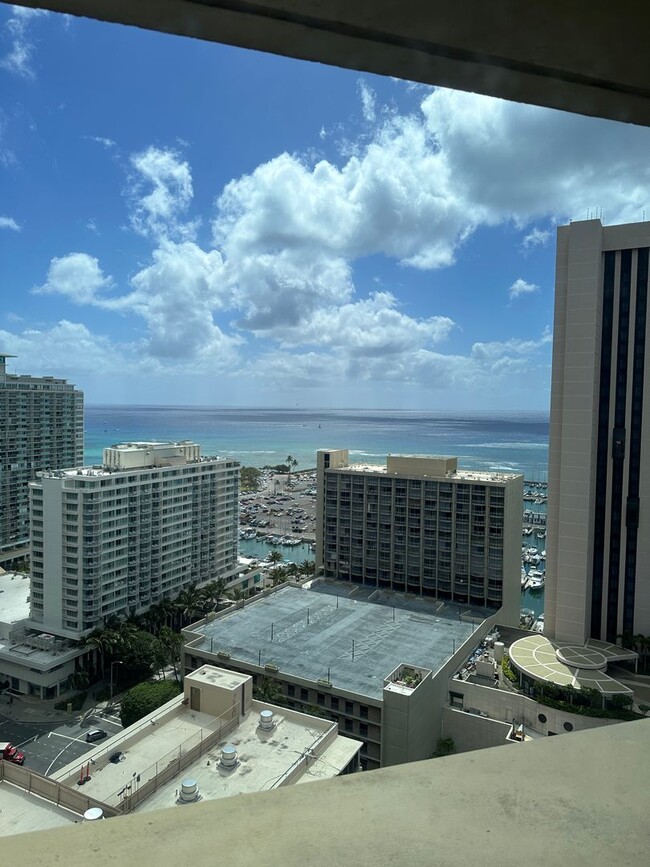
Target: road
{"points": [[49, 746]]}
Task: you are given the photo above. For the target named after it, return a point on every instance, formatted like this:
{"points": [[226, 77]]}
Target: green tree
{"points": [[144, 698], [211, 593], [307, 567], [189, 604], [171, 642], [268, 690], [103, 642], [292, 464], [251, 479], [275, 557]]}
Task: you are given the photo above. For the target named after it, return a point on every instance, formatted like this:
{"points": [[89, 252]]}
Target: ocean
{"points": [[506, 441]]}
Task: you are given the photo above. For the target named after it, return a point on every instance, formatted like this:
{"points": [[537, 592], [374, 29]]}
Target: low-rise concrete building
{"points": [[212, 741], [377, 663]]}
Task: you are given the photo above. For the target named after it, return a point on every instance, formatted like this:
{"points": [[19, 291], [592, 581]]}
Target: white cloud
{"points": [[78, 277], [161, 194], [68, 349], [107, 143], [9, 223], [368, 101], [18, 59], [521, 287], [369, 327], [536, 238]]}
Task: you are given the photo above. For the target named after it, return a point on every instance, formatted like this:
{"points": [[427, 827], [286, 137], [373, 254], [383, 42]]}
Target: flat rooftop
{"points": [[316, 633], [14, 595], [458, 475], [264, 757], [21, 812]]}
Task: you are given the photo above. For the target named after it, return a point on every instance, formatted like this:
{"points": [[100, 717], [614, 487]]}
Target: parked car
{"points": [[95, 735], [11, 753]]}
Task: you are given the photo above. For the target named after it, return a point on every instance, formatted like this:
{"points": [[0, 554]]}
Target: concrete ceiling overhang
{"points": [[585, 56]]}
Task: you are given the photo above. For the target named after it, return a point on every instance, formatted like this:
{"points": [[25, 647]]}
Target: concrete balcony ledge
{"points": [[575, 799]]}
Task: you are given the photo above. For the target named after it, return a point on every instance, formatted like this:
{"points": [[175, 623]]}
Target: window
{"points": [[334, 704], [291, 690], [349, 726], [349, 707], [304, 695]]}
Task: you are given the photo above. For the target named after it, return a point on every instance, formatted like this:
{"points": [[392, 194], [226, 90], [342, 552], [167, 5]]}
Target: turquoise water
{"points": [[260, 549], [515, 442]]}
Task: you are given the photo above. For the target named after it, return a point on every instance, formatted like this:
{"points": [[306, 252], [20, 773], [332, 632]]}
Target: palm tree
{"points": [[307, 567], [103, 642], [172, 643], [212, 593], [276, 557], [292, 463], [189, 603]]}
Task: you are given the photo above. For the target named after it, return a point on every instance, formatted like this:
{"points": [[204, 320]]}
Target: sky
{"points": [[184, 223]]}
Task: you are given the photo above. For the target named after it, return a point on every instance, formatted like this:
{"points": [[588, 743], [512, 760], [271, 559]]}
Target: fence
{"points": [[170, 765], [51, 790]]}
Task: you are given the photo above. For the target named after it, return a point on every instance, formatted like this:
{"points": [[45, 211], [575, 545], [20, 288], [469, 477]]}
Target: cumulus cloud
{"points": [[9, 223], [521, 287], [160, 194], [19, 57], [78, 276], [67, 348], [370, 327], [177, 296]]}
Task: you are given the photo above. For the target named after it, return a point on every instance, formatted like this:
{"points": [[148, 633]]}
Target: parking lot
{"points": [[51, 745]]}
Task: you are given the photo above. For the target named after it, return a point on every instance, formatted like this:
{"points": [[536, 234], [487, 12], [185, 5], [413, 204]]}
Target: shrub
{"points": [[508, 673], [144, 698]]}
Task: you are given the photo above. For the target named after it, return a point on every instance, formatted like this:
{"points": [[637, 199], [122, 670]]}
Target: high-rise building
{"points": [[420, 525], [41, 428], [598, 543], [110, 539]]}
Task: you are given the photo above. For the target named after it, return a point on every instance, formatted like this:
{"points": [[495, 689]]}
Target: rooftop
{"points": [[322, 633], [578, 798], [156, 755], [14, 596], [567, 664], [21, 811]]}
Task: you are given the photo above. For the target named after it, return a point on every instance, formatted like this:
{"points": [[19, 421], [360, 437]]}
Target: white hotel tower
{"points": [[106, 540]]}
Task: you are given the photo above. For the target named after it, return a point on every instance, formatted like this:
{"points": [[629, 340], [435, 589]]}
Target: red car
{"points": [[11, 754]]}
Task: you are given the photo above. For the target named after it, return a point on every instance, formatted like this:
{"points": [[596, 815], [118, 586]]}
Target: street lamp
{"points": [[115, 662]]}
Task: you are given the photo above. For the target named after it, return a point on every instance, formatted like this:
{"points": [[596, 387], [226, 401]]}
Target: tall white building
{"points": [[41, 427], [110, 539], [421, 525], [598, 543]]}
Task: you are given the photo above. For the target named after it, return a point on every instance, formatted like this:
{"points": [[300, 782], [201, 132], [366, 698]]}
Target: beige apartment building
{"points": [[151, 520], [41, 428], [598, 561], [421, 525]]}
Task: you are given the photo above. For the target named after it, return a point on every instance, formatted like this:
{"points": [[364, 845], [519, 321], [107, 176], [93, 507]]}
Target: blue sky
{"points": [[188, 223]]}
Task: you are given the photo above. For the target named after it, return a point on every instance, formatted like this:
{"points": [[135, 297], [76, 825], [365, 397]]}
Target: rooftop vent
{"points": [[189, 791], [92, 814], [229, 758], [266, 720]]}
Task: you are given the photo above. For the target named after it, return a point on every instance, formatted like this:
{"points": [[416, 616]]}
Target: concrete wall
{"points": [[506, 706], [471, 732], [407, 734]]}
